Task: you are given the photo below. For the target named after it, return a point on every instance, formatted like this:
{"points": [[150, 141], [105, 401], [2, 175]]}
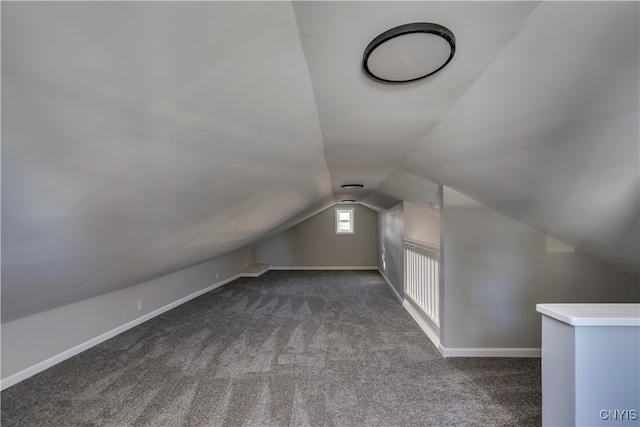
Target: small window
{"points": [[345, 221]]}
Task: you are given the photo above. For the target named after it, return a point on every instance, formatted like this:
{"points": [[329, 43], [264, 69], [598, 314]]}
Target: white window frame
{"points": [[352, 212]]}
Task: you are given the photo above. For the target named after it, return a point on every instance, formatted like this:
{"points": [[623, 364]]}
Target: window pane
{"points": [[344, 216], [344, 226]]}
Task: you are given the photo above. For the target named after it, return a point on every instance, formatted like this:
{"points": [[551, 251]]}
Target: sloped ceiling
{"points": [[141, 138], [537, 115], [549, 134], [369, 128]]}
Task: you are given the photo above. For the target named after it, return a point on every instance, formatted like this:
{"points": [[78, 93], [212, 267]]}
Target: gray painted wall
{"points": [[421, 226], [314, 243], [497, 269], [33, 339], [391, 247]]}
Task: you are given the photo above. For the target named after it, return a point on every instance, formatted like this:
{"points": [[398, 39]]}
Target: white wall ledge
{"points": [[593, 314]]}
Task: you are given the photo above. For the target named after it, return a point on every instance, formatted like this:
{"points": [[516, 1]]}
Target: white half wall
{"points": [[34, 343], [497, 269]]}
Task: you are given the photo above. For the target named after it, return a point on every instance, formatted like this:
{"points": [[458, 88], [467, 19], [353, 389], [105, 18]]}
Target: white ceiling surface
{"points": [[140, 138], [370, 127]]}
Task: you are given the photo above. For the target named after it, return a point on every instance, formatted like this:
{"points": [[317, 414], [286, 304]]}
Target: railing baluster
{"points": [[425, 287], [422, 278], [410, 271], [418, 265], [431, 287], [428, 287], [407, 284], [413, 283], [436, 293], [428, 303], [423, 282]]}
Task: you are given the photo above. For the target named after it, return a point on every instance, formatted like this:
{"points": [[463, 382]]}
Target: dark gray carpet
{"points": [[288, 348]]}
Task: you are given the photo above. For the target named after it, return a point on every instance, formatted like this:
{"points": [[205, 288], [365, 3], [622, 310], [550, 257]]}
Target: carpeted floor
{"points": [[288, 348]]}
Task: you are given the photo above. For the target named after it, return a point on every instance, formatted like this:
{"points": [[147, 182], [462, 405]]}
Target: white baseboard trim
{"points": [[386, 279], [358, 267], [416, 306], [255, 274], [426, 328], [490, 352], [54, 360]]}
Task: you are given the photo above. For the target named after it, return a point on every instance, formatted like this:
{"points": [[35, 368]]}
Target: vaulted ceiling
{"points": [[139, 138]]}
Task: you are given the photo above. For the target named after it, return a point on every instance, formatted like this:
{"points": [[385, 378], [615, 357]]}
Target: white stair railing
{"points": [[422, 274]]}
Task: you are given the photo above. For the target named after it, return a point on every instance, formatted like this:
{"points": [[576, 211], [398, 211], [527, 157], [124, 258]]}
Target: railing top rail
{"points": [[427, 251], [421, 246]]}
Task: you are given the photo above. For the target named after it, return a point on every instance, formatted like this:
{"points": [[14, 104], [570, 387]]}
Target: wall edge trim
{"points": [[490, 352], [417, 317], [384, 276], [256, 274], [356, 267], [66, 354]]}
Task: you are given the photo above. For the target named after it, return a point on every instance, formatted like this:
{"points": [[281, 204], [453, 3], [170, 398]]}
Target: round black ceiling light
{"points": [[351, 186], [409, 52]]}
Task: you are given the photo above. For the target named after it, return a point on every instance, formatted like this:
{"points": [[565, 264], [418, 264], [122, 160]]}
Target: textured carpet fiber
{"points": [[288, 348]]}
